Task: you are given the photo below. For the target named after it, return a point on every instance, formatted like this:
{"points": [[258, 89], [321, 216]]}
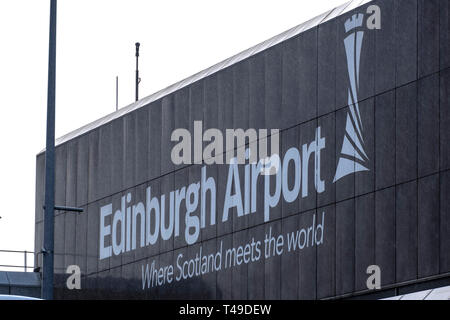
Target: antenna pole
{"points": [[117, 93], [138, 80]]}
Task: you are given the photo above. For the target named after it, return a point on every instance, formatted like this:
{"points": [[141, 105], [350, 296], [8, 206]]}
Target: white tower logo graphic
{"points": [[353, 158]]}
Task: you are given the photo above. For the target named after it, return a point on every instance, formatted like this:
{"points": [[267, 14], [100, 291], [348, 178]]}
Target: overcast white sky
{"points": [[95, 44]]}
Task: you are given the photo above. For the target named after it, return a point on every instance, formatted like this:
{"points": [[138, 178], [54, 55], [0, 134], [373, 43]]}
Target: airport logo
{"points": [[353, 158]]}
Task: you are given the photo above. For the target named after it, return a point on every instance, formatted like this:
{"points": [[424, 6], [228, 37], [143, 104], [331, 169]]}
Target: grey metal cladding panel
{"points": [[290, 139], [385, 48], [153, 291], [168, 119], [196, 103], [82, 170], [182, 115], [406, 41], [139, 195], [272, 267], [327, 35], [155, 192], [60, 175], [445, 120], [273, 91], [365, 181], [154, 148], [114, 260], [445, 222], [364, 238], [69, 238], [40, 187], [275, 212], [223, 227], [105, 156], [345, 187], [241, 97], [307, 137], [224, 277], [129, 255], [132, 283], [428, 226], [181, 289], [71, 178], [255, 278], [142, 144], [428, 126], [93, 227], [166, 291], [384, 140], [194, 178], [290, 262], [257, 118], [130, 154], [240, 120], [195, 287], [307, 271], [342, 76], [428, 37], [81, 240], [290, 83], [211, 105], [181, 180], [209, 279], [118, 155], [444, 33], [210, 230], [257, 217], [406, 133], [327, 125], [225, 79], [240, 272], [38, 243], [345, 246], [406, 231], [326, 256], [385, 234], [307, 74], [94, 166], [181, 101], [59, 244], [117, 284], [103, 289], [167, 217]]}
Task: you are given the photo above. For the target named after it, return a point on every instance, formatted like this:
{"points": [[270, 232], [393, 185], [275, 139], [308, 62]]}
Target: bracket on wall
{"points": [[68, 209]]}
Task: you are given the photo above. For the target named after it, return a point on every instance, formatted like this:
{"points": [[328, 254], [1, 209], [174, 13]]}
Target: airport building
{"points": [[358, 101]]}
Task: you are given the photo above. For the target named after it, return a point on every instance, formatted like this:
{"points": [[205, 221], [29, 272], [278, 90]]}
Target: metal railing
{"points": [[25, 265]]}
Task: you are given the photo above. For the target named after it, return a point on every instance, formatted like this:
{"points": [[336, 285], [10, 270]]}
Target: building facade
{"points": [[360, 96]]}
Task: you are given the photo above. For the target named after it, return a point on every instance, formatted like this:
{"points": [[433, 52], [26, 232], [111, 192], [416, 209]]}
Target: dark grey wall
{"points": [[396, 215]]}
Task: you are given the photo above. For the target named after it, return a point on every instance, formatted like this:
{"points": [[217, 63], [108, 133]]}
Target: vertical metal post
{"points": [[25, 258], [49, 223], [138, 80], [117, 93]]}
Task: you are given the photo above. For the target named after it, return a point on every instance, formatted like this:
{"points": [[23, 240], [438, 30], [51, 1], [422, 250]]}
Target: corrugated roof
{"points": [[215, 68]]}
